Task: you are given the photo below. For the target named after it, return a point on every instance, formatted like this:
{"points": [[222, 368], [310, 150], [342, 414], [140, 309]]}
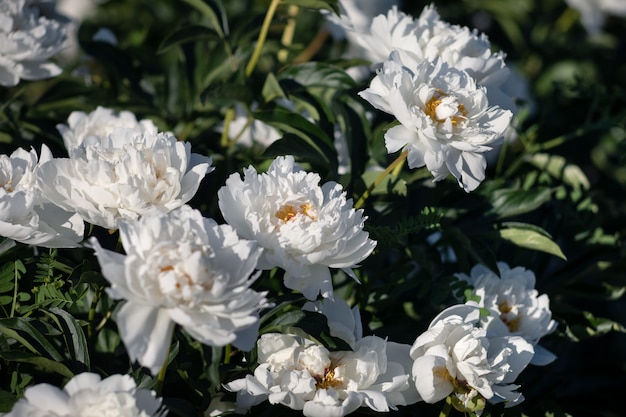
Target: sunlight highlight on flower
{"points": [[124, 175], [182, 268], [446, 121], [304, 228], [456, 357]]}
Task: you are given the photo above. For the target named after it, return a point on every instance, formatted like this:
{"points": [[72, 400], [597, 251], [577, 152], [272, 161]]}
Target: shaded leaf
{"points": [[72, 333], [513, 202], [208, 9], [41, 363], [25, 333], [188, 34], [317, 74], [271, 88], [391, 184]]}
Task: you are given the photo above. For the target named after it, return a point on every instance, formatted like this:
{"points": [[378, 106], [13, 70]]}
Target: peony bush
{"points": [[312, 207]]}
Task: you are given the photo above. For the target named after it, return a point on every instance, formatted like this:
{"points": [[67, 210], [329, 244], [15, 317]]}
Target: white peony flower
{"points": [[99, 124], [593, 12], [182, 268], [25, 214], [455, 357], [87, 394], [515, 308], [343, 322], [446, 121], [428, 38], [124, 175], [356, 18], [27, 41], [304, 228], [302, 375]]}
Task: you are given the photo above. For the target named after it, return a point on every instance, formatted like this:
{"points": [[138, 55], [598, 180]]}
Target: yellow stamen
{"points": [[514, 323], [431, 109], [288, 212], [328, 380]]}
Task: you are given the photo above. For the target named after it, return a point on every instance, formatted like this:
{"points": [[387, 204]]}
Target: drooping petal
{"points": [[146, 332]]}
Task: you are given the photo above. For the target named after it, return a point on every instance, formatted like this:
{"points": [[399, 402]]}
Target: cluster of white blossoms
{"points": [[303, 375], [444, 85], [456, 357], [25, 214], [119, 168], [304, 229], [515, 308], [28, 40], [186, 269], [428, 38], [87, 394]]}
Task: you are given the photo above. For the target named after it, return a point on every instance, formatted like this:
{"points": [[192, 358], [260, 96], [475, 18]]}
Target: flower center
{"points": [[289, 212], [184, 277], [441, 107], [509, 316], [460, 386], [7, 186], [328, 380]]}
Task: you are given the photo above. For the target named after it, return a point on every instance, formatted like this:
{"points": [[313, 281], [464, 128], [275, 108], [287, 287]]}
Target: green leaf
{"points": [[513, 202], [332, 5], [530, 237], [318, 74], [26, 334], [188, 34], [391, 184], [72, 333], [307, 324], [272, 89], [208, 10], [301, 148], [291, 122], [40, 363], [601, 325], [227, 94], [558, 167], [312, 143], [7, 401]]}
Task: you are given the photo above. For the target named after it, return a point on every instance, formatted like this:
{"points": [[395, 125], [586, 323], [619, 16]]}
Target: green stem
{"points": [[227, 352], [262, 36], [288, 33], [14, 303], [228, 118], [399, 160], [161, 376], [91, 315]]}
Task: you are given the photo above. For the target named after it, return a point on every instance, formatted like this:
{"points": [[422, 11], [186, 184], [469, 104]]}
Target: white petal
{"points": [[146, 333]]}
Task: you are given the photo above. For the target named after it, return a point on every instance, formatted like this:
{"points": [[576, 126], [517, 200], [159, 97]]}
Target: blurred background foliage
{"points": [[554, 199]]}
